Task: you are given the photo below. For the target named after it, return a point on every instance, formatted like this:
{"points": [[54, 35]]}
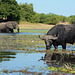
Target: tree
{"points": [[71, 19], [42, 18], [63, 18], [26, 11], [9, 9], [52, 18], [35, 18]]}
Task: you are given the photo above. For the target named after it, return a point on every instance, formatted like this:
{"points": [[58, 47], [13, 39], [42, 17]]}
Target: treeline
{"points": [[28, 14], [11, 10]]}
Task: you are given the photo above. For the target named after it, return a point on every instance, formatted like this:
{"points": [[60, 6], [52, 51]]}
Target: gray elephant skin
{"points": [[59, 35], [8, 27]]}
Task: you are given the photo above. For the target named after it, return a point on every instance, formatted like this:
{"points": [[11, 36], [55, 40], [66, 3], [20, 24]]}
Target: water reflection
{"points": [[29, 62], [6, 55], [58, 59]]}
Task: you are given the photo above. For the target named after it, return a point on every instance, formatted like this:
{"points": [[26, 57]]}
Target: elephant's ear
{"points": [[9, 25]]}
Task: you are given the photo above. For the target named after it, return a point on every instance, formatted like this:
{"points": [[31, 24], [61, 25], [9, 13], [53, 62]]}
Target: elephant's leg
{"points": [[12, 31], [18, 29], [0, 30], [7, 30]]}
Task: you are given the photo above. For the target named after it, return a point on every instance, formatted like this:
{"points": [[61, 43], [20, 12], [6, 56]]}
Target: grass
{"points": [[33, 30], [34, 27], [27, 25], [24, 42], [29, 43], [20, 42]]}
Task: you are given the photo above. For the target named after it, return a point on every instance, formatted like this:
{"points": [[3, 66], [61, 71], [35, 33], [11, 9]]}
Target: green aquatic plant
{"points": [[20, 42], [52, 68], [61, 69]]}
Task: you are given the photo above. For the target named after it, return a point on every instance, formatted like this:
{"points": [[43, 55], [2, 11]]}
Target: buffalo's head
{"points": [[48, 40]]}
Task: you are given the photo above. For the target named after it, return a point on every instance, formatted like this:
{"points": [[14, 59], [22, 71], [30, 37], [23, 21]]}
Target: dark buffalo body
{"points": [[59, 35]]}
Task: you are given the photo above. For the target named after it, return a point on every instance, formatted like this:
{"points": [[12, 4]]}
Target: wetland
{"points": [[25, 54]]}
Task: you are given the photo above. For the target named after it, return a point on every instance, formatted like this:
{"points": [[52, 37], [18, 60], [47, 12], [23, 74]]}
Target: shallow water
{"points": [[14, 60], [21, 33], [27, 32], [21, 60]]}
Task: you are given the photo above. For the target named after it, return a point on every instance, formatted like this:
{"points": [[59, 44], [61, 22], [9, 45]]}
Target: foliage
{"points": [[9, 9], [27, 13], [63, 18], [34, 18], [52, 19], [71, 19], [49, 18], [42, 17]]}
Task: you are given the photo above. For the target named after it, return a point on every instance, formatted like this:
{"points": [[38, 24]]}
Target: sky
{"points": [[59, 7]]}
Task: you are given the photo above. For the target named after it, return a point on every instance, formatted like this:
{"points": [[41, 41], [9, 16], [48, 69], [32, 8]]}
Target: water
{"points": [[28, 32], [21, 33], [18, 60], [21, 61]]}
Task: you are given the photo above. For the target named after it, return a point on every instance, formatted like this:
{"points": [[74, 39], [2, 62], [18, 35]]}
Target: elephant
{"points": [[8, 27]]}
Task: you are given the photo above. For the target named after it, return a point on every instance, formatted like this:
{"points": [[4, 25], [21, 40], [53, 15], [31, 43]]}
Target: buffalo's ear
{"points": [[9, 25]]}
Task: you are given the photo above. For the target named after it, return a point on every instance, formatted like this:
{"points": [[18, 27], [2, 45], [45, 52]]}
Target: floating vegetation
{"points": [[66, 70], [20, 42], [57, 61], [41, 68]]}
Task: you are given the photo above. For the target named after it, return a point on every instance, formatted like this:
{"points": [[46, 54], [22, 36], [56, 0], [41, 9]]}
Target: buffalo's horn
{"points": [[42, 38], [52, 37]]}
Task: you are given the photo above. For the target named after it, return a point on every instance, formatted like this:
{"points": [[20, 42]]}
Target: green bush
{"points": [[71, 19], [49, 18], [9, 9]]}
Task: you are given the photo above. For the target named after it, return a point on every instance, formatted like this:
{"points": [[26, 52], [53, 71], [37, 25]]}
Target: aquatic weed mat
{"points": [[21, 42]]}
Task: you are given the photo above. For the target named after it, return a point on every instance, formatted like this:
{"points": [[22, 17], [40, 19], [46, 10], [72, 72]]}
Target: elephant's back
{"points": [[2, 25]]}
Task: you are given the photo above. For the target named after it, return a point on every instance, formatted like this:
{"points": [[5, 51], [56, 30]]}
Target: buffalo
{"points": [[59, 35]]}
